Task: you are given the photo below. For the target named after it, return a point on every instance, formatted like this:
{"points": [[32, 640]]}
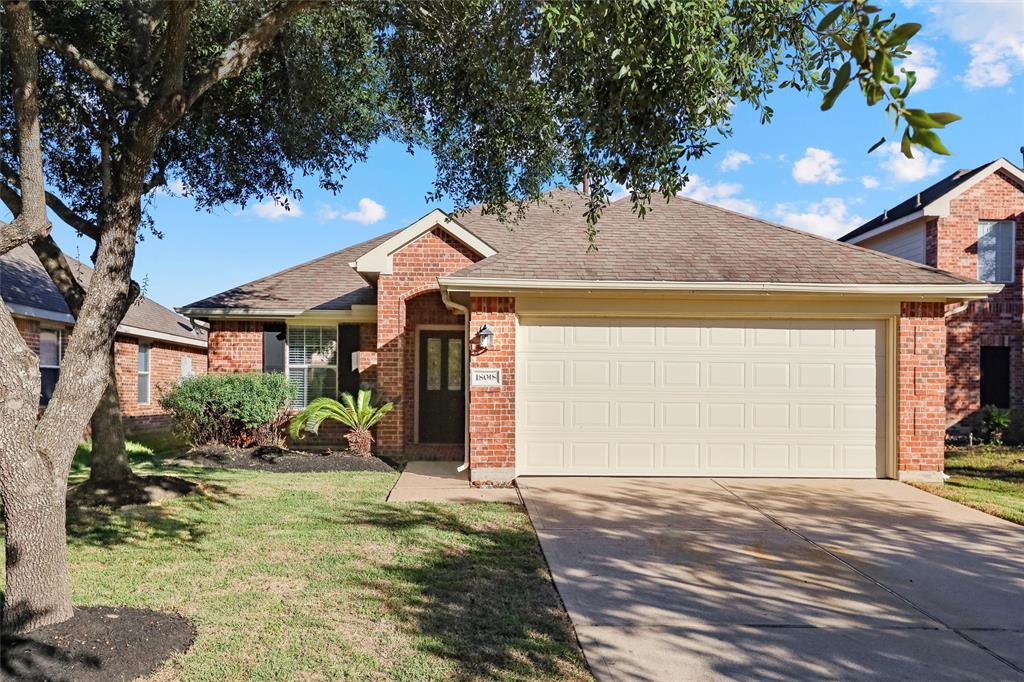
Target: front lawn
{"points": [[986, 477], [314, 576]]}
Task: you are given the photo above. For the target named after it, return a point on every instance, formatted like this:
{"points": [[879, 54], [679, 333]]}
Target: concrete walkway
{"points": [[698, 579], [442, 482]]}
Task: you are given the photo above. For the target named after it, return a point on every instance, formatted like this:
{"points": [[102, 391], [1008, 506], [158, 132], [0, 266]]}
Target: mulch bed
{"points": [[281, 460], [100, 644]]}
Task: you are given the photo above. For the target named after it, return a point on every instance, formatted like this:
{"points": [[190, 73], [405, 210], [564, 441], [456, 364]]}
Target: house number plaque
{"points": [[485, 377]]}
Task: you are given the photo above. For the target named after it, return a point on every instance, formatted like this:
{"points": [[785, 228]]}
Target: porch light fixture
{"points": [[485, 337]]}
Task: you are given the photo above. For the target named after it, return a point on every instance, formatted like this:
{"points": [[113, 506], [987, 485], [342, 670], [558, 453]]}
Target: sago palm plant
{"points": [[358, 414]]}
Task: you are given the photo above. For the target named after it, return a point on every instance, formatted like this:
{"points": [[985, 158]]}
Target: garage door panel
{"points": [[689, 397]]}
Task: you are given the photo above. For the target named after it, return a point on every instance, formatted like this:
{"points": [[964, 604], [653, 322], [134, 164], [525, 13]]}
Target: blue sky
{"points": [[807, 169]]}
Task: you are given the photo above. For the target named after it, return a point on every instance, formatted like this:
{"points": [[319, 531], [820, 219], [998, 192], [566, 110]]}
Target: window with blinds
{"points": [[313, 362], [995, 250]]}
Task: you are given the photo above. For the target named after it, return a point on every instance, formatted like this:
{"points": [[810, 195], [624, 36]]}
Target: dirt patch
{"points": [[98, 644], [281, 460], [135, 490]]}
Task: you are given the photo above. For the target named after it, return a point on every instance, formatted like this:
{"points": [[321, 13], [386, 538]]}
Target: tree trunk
{"points": [[109, 459], [38, 590]]}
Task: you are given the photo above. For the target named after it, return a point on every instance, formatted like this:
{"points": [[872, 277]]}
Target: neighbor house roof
{"points": [[689, 241], [931, 201], [27, 290], [330, 283]]}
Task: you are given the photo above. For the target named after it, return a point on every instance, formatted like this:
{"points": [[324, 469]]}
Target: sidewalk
{"points": [[442, 482]]}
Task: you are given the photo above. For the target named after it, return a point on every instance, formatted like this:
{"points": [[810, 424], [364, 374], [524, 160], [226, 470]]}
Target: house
{"points": [[694, 341], [970, 223], [153, 349]]}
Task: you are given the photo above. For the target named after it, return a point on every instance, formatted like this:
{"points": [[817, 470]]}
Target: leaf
{"points": [[839, 84], [944, 117], [905, 144], [830, 18], [902, 34], [859, 49], [919, 119], [876, 145], [930, 140]]}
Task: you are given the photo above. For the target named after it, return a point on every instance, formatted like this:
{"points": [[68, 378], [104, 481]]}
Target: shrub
{"points": [[234, 409], [359, 414], [1014, 434], [993, 423]]}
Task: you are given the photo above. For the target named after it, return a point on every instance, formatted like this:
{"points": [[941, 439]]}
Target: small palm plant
{"points": [[358, 414]]}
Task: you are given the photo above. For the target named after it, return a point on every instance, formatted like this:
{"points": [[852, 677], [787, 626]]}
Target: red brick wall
{"points": [[236, 346], [164, 372], [921, 388], [492, 411], [415, 270], [998, 321]]}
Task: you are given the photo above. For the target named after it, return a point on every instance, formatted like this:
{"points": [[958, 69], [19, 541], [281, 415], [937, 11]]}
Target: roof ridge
{"points": [[859, 249]]}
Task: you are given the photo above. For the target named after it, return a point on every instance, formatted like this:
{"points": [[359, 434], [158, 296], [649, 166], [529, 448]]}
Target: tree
{"points": [[109, 99]]}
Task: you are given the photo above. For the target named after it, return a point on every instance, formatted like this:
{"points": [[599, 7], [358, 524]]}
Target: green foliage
{"points": [[992, 424], [508, 97], [358, 414], [235, 409]]}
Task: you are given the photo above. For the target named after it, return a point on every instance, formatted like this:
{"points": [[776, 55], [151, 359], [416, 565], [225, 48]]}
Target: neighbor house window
{"points": [[995, 250], [143, 374], [50, 352], [313, 362], [186, 366]]}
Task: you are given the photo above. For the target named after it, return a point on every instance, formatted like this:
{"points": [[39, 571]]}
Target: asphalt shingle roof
{"points": [[24, 282], [689, 241]]}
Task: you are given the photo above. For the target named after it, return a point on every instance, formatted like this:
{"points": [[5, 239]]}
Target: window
{"points": [[186, 366], [313, 362], [995, 250], [143, 374], [50, 352]]}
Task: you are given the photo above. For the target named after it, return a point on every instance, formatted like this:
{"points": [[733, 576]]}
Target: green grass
{"points": [[986, 477], [314, 576]]}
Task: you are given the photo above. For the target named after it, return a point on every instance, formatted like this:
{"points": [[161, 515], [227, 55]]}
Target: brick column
{"points": [[492, 411], [921, 392], [235, 347]]}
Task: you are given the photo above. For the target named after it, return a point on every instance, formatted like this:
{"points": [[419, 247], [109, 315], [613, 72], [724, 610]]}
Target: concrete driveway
{"points": [[683, 579]]}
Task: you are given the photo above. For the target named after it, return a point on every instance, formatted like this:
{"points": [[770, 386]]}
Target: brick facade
{"points": [[492, 411], [236, 346], [952, 244], [415, 270], [921, 390], [165, 370]]}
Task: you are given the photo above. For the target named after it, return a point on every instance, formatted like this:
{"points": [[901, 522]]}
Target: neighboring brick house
{"points": [[970, 223], [153, 349], [694, 341]]}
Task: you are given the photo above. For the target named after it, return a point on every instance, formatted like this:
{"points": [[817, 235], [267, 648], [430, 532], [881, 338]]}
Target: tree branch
{"points": [[31, 222], [93, 70], [240, 53], [80, 224]]}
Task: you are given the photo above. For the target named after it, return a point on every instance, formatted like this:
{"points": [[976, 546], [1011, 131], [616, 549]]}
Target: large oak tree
{"points": [[235, 99]]}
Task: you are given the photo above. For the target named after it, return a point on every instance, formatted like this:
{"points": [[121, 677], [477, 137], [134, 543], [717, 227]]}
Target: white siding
{"points": [[904, 242]]}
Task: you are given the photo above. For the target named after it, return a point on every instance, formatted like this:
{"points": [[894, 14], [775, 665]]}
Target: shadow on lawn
{"points": [[482, 599]]}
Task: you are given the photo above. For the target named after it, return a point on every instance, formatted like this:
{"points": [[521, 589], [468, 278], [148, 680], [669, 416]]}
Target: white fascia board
{"points": [[939, 208], [39, 313], [965, 291], [380, 259], [159, 336]]}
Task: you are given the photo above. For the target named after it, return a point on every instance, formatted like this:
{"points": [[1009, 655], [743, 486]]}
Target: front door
{"points": [[442, 386]]}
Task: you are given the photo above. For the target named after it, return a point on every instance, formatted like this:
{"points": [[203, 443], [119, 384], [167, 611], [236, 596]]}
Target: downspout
{"points": [[957, 310], [465, 373]]}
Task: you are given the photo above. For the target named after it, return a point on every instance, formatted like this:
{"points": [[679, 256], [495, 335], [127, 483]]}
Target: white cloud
{"points": [[993, 32], [174, 188], [817, 165], [326, 213], [924, 65], [733, 160], [869, 182], [903, 169], [722, 194], [829, 217], [272, 210], [369, 212]]}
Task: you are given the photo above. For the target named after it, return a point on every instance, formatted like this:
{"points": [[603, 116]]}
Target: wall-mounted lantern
{"points": [[485, 337]]}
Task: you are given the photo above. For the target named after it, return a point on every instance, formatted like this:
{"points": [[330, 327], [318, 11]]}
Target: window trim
{"points": [[60, 347], [1013, 251], [148, 373], [288, 363]]}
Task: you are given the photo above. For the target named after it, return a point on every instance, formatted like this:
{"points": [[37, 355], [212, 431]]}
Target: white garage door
{"points": [[701, 398]]}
